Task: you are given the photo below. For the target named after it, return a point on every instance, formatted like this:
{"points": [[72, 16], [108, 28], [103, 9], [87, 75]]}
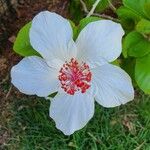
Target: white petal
{"points": [[114, 86], [71, 113], [51, 35], [55, 63], [32, 75], [100, 40]]}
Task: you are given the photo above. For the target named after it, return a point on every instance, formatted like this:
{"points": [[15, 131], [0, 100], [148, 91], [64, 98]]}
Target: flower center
{"points": [[75, 77]]}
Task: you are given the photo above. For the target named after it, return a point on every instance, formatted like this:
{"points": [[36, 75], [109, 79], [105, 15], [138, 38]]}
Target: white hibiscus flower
{"points": [[79, 71]]}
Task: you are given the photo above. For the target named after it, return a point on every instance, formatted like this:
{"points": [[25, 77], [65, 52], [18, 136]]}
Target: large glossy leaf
{"points": [[136, 45], [143, 26], [142, 73], [138, 6], [128, 18], [22, 44]]}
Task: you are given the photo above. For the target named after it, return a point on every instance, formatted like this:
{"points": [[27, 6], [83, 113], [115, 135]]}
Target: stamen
{"points": [[75, 77]]}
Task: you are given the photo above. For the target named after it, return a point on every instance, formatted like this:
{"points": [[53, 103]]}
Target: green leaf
{"points": [[128, 18], [103, 4], [142, 73], [22, 44], [74, 28], [124, 50], [116, 62], [52, 95], [139, 7], [147, 8], [86, 21], [136, 45], [75, 9], [143, 26], [128, 65]]}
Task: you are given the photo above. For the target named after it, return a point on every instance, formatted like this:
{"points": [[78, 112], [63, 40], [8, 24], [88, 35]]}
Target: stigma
{"points": [[75, 76]]}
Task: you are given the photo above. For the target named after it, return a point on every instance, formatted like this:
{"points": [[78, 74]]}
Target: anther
{"points": [[75, 77]]}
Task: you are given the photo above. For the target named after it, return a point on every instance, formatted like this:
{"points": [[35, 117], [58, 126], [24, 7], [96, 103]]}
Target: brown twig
{"points": [[5, 79], [106, 17], [96, 14], [113, 8], [84, 6], [93, 8], [9, 91]]}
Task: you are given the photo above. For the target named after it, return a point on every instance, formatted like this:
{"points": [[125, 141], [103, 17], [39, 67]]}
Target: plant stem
{"points": [[93, 8], [106, 17], [113, 8], [96, 14], [84, 6]]}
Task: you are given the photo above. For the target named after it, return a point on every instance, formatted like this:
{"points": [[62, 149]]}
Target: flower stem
{"points": [[93, 8]]}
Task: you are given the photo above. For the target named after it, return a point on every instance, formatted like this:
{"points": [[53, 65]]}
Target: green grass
{"points": [[122, 128]]}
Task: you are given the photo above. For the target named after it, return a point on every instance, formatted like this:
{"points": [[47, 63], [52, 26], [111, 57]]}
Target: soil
{"points": [[10, 23]]}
